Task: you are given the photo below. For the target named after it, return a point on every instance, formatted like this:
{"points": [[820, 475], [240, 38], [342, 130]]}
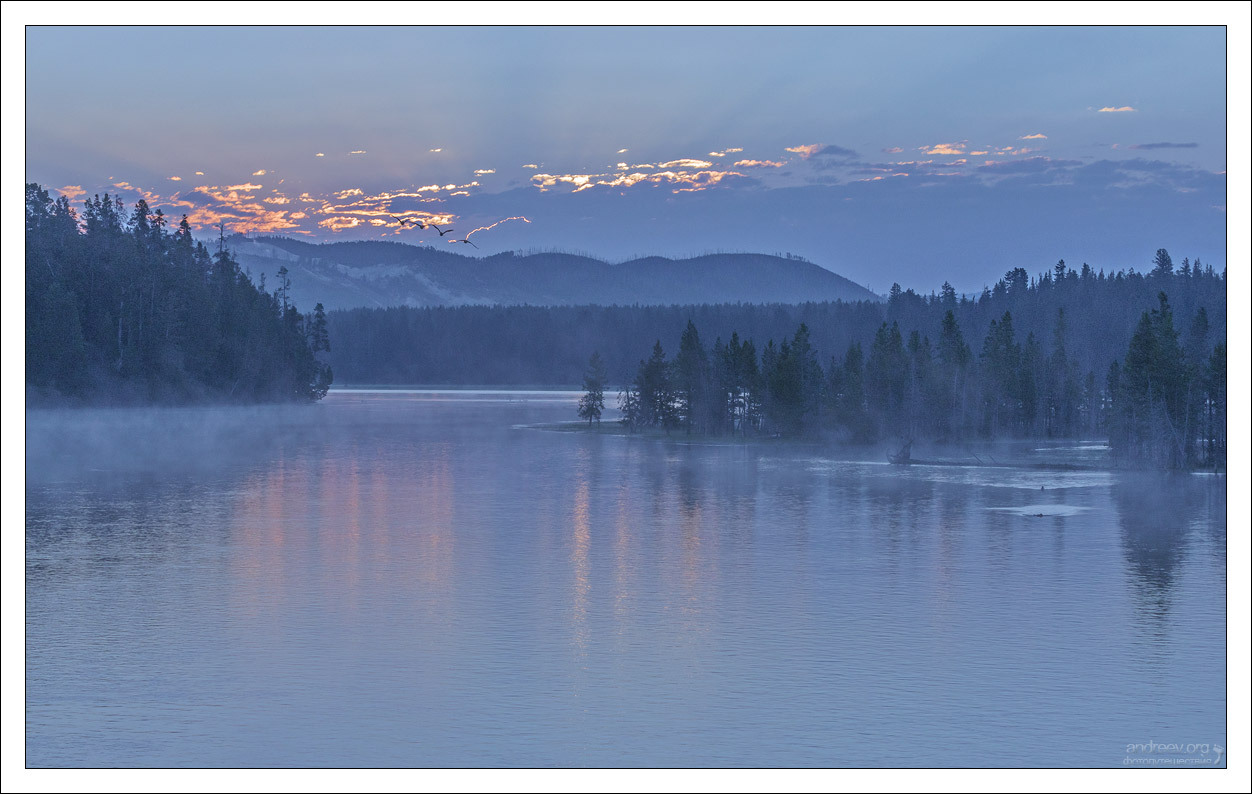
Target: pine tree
{"points": [[1151, 395], [691, 381], [1162, 265], [591, 404]]}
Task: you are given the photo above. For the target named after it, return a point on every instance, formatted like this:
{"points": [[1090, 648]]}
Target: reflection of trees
{"points": [[1153, 512]]}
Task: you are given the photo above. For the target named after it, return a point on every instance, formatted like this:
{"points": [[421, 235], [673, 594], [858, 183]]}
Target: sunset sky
{"points": [[915, 155]]}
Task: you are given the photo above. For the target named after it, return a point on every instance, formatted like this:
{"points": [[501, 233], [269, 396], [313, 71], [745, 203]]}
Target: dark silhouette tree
{"points": [[591, 404]]}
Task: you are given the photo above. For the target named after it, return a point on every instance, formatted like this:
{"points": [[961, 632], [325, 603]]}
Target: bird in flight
{"points": [[466, 240], [416, 223], [442, 232]]}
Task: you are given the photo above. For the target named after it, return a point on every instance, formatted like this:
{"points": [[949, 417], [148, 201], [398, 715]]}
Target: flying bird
{"points": [[442, 232], [416, 223], [466, 240]]}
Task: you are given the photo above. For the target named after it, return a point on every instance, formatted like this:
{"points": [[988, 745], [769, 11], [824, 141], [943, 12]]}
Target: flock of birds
{"points": [[422, 225], [425, 223]]}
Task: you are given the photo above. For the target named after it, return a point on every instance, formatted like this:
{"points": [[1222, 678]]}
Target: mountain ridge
{"points": [[379, 273]]}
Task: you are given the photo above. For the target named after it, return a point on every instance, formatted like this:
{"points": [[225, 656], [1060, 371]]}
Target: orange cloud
{"points": [[530, 165], [353, 191], [683, 180], [483, 171], [176, 179], [199, 173], [320, 154], [758, 164], [259, 173], [245, 186], [277, 200], [71, 191], [440, 149], [357, 151], [724, 152], [685, 163], [340, 222], [1037, 135], [946, 148], [1122, 109], [806, 151]]}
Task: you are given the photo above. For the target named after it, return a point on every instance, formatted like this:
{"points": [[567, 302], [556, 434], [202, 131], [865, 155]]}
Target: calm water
{"points": [[414, 579]]}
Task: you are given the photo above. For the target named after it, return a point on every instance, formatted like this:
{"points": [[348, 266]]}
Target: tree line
{"points": [[549, 345], [120, 309]]}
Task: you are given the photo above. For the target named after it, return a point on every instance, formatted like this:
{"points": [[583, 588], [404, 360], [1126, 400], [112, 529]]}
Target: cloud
{"points": [[686, 162], [440, 149], [834, 151], [892, 150], [357, 151], [339, 222], [320, 154], [980, 152], [71, 191], [530, 165], [1031, 165], [1164, 145], [881, 178], [482, 171], [622, 151], [946, 148], [352, 191], [758, 164], [199, 173], [1122, 109], [1036, 135], [805, 150], [248, 186], [679, 181], [259, 173], [725, 152], [176, 179], [277, 200]]}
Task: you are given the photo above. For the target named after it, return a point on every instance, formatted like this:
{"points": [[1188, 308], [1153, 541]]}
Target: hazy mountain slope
{"points": [[375, 273]]}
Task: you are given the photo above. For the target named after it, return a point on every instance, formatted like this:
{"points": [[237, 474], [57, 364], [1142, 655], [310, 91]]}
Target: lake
{"points": [[430, 579]]}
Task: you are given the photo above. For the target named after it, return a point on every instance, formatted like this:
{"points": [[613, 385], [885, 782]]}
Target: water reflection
{"points": [[1154, 512], [581, 551], [424, 582]]}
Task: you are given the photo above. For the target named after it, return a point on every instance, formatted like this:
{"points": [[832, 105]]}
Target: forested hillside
{"points": [[517, 345], [379, 273], [119, 309], [1136, 357]]}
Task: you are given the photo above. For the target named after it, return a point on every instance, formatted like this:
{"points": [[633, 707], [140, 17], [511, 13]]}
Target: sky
{"points": [[915, 155], [909, 155]]}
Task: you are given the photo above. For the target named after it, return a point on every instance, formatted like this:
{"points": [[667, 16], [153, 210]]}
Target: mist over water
{"points": [[430, 579]]}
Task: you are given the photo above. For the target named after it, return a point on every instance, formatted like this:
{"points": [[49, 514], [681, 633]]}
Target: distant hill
{"points": [[383, 274]]}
